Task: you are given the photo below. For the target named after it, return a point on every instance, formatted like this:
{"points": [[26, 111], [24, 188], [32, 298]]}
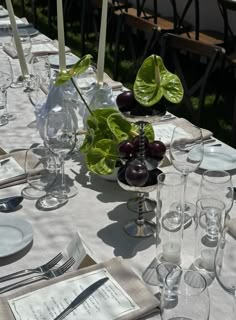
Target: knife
{"points": [[4, 161], [81, 298]]}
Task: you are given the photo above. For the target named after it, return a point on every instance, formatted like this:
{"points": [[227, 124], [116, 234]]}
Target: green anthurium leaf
{"points": [[154, 81], [88, 141], [78, 68], [101, 159], [120, 127]]}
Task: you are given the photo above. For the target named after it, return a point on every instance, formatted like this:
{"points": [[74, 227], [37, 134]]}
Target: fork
{"points": [[50, 274], [45, 267]]}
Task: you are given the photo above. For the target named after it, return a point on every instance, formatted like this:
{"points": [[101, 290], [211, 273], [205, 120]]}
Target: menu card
{"points": [[123, 297], [109, 302], [9, 168]]}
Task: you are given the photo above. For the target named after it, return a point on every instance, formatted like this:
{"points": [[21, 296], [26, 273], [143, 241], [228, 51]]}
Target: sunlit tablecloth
{"points": [[98, 212]]}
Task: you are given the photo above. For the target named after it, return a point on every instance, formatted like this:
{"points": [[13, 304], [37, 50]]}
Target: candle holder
{"points": [[140, 175]]}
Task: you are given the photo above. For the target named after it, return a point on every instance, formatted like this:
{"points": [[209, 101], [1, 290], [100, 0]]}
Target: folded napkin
{"points": [[12, 173], [115, 85], [38, 48], [164, 131], [145, 301]]}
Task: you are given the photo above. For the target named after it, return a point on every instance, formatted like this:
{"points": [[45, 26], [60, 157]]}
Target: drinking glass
{"points": [[185, 296], [41, 172], [26, 43], [60, 138], [6, 77], [40, 67], [208, 228], [186, 154], [225, 268], [217, 184]]}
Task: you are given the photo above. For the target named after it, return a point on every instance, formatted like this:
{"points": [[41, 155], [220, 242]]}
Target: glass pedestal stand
{"points": [[140, 227]]}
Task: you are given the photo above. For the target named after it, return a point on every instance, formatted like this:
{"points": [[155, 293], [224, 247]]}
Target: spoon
{"points": [[10, 203]]}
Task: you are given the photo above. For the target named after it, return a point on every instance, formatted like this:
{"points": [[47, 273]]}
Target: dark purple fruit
{"points": [[156, 149], [136, 174], [125, 101], [126, 149]]}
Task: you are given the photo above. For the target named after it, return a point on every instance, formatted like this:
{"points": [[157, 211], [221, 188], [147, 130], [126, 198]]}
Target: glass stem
{"points": [[184, 191], [4, 98], [63, 183]]}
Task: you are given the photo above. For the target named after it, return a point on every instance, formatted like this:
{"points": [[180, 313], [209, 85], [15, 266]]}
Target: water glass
{"points": [[185, 296], [217, 184], [209, 226], [169, 212]]}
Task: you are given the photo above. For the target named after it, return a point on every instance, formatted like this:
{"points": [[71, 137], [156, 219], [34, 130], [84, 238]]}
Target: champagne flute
{"points": [[6, 77], [60, 138], [186, 154], [225, 268], [217, 184]]}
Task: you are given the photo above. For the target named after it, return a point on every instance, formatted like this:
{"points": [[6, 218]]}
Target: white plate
{"points": [[218, 158], [15, 234], [70, 60], [3, 12]]}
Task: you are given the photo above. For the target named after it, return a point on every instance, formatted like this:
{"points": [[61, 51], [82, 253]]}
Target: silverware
{"points": [[41, 269], [4, 162], [81, 298], [10, 203], [50, 274]]}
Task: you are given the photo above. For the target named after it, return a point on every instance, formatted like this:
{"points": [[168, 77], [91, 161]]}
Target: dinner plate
{"points": [[70, 60], [15, 234], [218, 158], [3, 12], [29, 29]]}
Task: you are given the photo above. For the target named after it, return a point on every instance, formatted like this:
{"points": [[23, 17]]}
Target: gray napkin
{"points": [[119, 269], [19, 156]]}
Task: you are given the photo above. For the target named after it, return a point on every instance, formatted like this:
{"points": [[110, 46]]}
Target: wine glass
{"points": [[40, 67], [6, 77], [26, 43], [60, 138], [185, 296], [41, 172], [217, 184], [225, 267], [186, 154]]}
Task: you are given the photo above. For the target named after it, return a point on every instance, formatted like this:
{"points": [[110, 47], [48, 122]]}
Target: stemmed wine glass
{"points": [[225, 267], [6, 77], [60, 138], [186, 154], [217, 184]]}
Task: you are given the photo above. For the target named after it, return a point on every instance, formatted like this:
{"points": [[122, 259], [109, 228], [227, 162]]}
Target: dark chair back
{"points": [[194, 62]]}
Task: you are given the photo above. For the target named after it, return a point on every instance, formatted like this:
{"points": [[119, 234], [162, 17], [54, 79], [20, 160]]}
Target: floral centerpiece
{"points": [[107, 128]]}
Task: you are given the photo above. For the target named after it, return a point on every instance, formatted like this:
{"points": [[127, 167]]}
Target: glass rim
{"points": [[224, 173], [213, 199], [184, 271], [164, 182]]}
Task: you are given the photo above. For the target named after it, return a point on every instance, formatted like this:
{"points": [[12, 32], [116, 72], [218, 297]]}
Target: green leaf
{"points": [[88, 141], [154, 81], [120, 127], [78, 68], [101, 159]]}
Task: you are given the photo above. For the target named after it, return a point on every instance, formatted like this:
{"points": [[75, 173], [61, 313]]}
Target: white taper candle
{"points": [[19, 49], [102, 43], [61, 36]]}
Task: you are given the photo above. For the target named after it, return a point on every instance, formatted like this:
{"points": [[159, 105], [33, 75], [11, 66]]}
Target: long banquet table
{"points": [[98, 212]]}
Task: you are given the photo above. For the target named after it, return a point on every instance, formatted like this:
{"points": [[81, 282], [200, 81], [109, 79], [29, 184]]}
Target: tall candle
{"points": [[61, 36], [19, 49], [102, 43]]}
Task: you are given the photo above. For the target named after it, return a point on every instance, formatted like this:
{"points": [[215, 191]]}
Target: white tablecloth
{"points": [[98, 212]]}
